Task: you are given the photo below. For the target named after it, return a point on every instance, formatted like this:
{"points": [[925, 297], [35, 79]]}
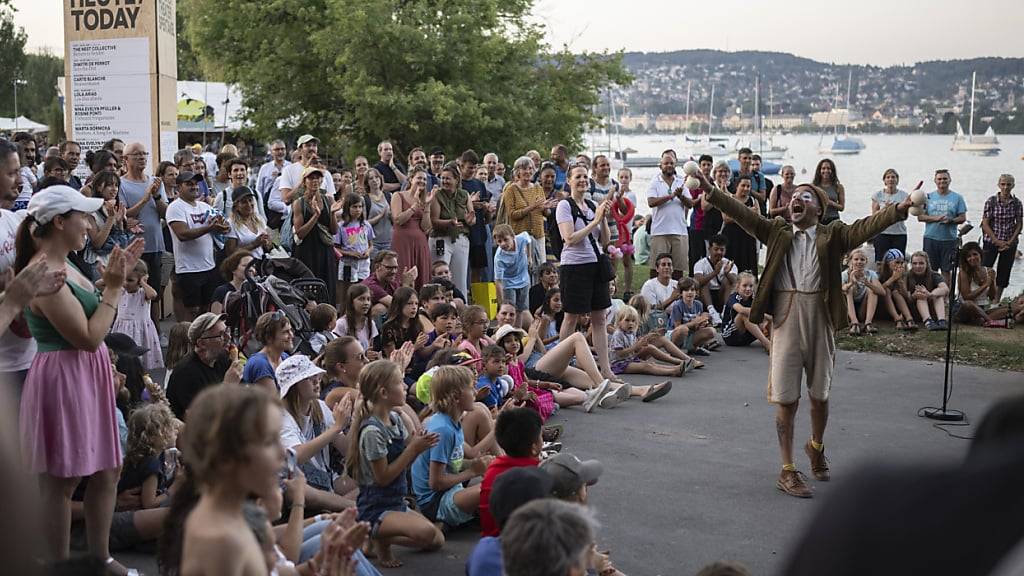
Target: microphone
{"points": [[966, 228]]}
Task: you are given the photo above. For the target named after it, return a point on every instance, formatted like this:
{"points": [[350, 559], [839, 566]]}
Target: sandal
{"points": [[869, 328], [854, 330], [552, 433], [911, 325], [657, 391], [697, 365], [901, 326]]}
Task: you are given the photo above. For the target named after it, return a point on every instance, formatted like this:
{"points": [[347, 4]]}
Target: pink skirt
{"points": [[68, 423]]}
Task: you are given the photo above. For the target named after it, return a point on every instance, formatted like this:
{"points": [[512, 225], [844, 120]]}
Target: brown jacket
{"points": [[833, 240]]}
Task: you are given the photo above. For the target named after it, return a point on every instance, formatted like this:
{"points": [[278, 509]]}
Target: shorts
{"points": [[123, 533], [802, 342], [155, 262], [197, 287], [478, 256], [442, 508], [739, 339], [581, 291], [518, 296], [676, 245], [884, 242], [940, 253]]}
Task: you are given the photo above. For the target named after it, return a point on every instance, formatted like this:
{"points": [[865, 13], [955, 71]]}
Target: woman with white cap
{"points": [[68, 426], [309, 428]]}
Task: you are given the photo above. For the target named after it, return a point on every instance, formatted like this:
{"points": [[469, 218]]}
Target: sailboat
{"points": [[844, 144], [984, 145], [711, 146], [760, 144]]}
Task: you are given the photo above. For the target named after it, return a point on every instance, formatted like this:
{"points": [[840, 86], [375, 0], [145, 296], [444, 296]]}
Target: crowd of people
{"points": [[420, 404]]}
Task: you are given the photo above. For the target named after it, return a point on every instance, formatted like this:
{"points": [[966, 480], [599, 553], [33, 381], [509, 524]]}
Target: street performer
{"points": [[801, 289]]}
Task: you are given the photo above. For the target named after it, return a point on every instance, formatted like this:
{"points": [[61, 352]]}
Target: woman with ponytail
{"points": [[68, 423]]}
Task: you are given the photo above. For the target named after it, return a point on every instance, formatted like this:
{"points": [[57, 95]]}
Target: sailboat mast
{"points": [[711, 112], [686, 130], [849, 83], [757, 110], [835, 108], [970, 129]]}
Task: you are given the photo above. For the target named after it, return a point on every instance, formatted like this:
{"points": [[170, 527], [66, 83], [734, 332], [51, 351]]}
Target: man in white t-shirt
{"points": [[669, 201], [715, 274], [291, 175], [192, 225], [661, 291], [17, 347]]}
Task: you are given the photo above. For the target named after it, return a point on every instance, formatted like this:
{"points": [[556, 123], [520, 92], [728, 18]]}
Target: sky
{"points": [[876, 32]]}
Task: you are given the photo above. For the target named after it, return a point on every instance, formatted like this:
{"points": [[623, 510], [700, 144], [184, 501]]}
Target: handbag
{"points": [[605, 269]]}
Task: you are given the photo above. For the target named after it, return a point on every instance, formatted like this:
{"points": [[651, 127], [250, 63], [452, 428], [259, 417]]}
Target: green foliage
{"points": [[456, 73], [12, 57], [188, 61]]}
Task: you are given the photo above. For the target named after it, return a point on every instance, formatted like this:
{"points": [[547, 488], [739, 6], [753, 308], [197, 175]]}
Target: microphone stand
{"points": [[945, 414]]}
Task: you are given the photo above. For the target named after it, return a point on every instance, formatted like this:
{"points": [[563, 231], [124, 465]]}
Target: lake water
{"points": [[915, 157]]}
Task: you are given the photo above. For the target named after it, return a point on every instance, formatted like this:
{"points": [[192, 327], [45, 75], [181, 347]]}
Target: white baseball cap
{"points": [[295, 369], [56, 200]]}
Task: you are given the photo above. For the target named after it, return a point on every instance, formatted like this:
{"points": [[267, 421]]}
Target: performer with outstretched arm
{"points": [[801, 288]]}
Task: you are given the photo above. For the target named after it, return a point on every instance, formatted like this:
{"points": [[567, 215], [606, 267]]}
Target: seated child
{"points": [[548, 273], [322, 320], [379, 457], [893, 279], [691, 325], [631, 355], [493, 384], [513, 489], [439, 473], [977, 287], [518, 431], [656, 323], [928, 292], [862, 290], [152, 430], [737, 329], [715, 274]]}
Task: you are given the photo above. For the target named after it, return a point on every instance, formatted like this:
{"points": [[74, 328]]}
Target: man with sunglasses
{"points": [[206, 365], [801, 288]]}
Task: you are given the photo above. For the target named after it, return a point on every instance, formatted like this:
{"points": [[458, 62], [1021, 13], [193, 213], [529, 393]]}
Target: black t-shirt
{"points": [[190, 377], [387, 173], [537, 293]]}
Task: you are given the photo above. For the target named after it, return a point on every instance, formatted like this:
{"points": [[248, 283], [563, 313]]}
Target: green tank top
{"points": [[48, 339]]}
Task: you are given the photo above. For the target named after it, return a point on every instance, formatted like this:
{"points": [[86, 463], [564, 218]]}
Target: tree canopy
{"points": [[453, 73]]}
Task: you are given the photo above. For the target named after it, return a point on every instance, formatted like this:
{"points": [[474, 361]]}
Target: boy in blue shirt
{"points": [[438, 473], [692, 329], [944, 212], [512, 270], [493, 384]]}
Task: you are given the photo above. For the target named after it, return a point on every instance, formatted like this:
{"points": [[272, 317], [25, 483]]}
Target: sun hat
{"points": [[295, 369], [505, 330], [307, 138], [56, 200]]}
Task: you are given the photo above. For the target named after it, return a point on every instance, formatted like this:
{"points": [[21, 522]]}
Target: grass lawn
{"points": [[989, 347]]}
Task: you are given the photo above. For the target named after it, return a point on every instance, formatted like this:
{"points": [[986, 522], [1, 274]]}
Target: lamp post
{"points": [[17, 82]]}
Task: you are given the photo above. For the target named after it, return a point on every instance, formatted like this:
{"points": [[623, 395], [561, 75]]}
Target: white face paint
{"points": [[807, 196]]}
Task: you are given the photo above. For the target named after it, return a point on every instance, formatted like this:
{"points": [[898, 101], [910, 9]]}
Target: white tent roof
{"points": [[22, 124], [214, 95]]}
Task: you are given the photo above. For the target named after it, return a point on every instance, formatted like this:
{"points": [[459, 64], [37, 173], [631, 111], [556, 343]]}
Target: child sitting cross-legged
{"points": [[630, 355], [691, 325], [439, 473], [379, 456], [655, 322], [493, 384], [519, 435], [737, 329], [152, 429]]}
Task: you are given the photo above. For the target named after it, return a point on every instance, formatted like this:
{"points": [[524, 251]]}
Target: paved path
{"points": [[690, 478]]}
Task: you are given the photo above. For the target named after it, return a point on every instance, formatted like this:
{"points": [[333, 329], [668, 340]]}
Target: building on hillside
{"points": [[785, 122]]}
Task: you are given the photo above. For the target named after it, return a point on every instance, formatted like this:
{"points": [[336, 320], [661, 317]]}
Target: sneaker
{"points": [[716, 319], [713, 345], [614, 398], [792, 482], [819, 464], [931, 325], [700, 351], [594, 396], [629, 390], [943, 324], [552, 447]]}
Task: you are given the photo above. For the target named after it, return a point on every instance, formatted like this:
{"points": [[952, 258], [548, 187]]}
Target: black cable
{"points": [[924, 410]]}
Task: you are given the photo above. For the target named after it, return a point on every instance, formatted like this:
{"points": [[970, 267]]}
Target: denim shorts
{"points": [[520, 297]]}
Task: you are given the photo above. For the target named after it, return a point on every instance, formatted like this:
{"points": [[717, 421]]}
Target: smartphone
{"points": [[439, 247]]}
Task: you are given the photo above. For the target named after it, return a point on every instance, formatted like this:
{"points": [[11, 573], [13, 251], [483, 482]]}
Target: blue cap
{"points": [[893, 254]]}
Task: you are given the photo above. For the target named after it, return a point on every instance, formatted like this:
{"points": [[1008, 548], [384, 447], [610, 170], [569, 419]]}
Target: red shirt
{"points": [[488, 527]]}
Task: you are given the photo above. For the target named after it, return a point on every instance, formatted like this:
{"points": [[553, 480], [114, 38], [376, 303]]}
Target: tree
{"points": [[12, 56], [188, 61], [455, 73]]}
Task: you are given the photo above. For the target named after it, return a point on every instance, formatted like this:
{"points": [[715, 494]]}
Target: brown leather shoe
{"points": [[819, 464], [792, 482]]}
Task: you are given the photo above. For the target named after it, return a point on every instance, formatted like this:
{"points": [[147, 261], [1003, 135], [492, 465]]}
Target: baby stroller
{"points": [[271, 285]]}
